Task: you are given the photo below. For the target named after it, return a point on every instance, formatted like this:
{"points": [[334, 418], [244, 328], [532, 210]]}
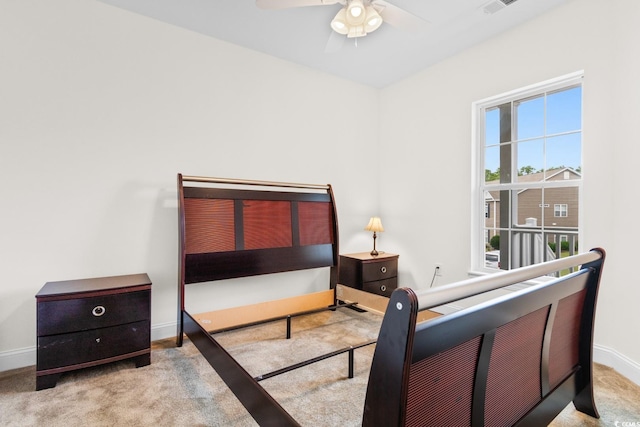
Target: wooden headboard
{"points": [[238, 228]]}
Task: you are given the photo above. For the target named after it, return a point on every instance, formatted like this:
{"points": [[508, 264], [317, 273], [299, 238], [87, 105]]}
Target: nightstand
{"points": [[375, 274], [88, 322]]}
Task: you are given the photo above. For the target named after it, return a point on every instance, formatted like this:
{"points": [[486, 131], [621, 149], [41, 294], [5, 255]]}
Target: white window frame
{"points": [[560, 210], [477, 158]]}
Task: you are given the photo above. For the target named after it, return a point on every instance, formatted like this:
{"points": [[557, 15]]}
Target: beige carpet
{"points": [[179, 388]]}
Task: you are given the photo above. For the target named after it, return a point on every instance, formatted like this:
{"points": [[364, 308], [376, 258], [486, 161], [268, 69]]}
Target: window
{"points": [[560, 210], [528, 172]]}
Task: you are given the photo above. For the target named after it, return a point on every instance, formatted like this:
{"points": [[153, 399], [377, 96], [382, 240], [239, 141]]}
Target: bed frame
{"points": [[239, 228], [518, 360], [513, 360]]}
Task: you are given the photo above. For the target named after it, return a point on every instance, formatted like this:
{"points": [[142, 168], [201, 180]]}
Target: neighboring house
{"points": [[556, 212]]}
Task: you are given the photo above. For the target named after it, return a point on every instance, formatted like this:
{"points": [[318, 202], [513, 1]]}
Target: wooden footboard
{"points": [[514, 360]]}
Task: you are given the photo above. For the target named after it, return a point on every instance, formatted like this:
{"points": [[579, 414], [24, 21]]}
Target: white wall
{"points": [[426, 138], [101, 108]]}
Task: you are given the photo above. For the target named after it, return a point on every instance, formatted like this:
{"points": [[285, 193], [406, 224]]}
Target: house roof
{"points": [[550, 175]]}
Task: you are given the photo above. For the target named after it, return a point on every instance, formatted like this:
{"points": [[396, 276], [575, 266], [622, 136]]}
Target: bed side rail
{"points": [[478, 285], [262, 407]]}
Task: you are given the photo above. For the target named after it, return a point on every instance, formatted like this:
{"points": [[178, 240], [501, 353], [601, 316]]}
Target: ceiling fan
{"points": [[357, 18]]}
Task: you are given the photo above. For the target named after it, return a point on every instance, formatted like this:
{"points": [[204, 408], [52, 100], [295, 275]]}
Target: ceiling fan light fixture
{"points": [[355, 12], [356, 20], [339, 23], [373, 20], [356, 31]]}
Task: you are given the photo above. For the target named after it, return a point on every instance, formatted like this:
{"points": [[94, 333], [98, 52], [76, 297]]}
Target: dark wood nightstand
{"points": [[89, 322], [375, 274]]}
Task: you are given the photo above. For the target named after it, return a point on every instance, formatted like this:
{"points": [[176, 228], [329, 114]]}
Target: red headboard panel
{"points": [[231, 229]]}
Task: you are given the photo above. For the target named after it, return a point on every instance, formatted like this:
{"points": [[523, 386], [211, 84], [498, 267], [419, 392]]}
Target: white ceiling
{"points": [[381, 58]]}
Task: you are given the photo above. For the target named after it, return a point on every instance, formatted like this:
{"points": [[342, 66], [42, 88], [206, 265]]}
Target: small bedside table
{"points": [[89, 322], [375, 274]]}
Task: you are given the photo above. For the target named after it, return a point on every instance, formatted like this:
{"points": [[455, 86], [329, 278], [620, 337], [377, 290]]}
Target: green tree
{"points": [[495, 242], [491, 176], [526, 170]]}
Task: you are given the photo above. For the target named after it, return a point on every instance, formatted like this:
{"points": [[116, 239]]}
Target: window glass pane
{"points": [[527, 245], [530, 160], [492, 207], [566, 198], [506, 198], [564, 151], [530, 118], [492, 127], [529, 206], [560, 210], [520, 226], [564, 111], [492, 164]]}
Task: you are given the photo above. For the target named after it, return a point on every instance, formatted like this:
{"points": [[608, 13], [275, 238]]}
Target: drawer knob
{"points": [[98, 311], [383, 269], [383, 288], [97, 340]]}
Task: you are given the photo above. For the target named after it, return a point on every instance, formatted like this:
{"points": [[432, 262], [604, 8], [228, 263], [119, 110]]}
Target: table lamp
{"points": [[375, 225]]}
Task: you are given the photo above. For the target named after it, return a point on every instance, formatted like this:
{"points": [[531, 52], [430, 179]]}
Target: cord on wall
{"points": [[436, 272]]}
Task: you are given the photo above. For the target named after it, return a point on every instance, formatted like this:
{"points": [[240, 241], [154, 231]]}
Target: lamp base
{"points": [[374, 252]]}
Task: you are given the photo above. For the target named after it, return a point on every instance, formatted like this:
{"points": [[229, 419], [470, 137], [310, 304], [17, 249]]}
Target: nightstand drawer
{"points": [[376, 274], [57, 351], [381, 287], [80, 314], [379, 270], [89, 322]]}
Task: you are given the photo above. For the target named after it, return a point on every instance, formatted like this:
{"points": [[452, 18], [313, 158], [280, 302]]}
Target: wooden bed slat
{"points": [[246, 314], [373, 302]]}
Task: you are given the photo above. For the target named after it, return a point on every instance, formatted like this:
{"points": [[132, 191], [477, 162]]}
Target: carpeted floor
{"points": [[179, 388]]}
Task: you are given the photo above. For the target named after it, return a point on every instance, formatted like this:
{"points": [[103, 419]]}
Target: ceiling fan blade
{"points": [[334, 43], [400, 18], [286, 4]]}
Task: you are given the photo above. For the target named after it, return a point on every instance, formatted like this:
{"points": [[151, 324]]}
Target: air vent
{"points": [[496, 5]]}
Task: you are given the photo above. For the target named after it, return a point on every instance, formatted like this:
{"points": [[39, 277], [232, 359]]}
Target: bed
{"points": [[238, 228], [472, 367]]}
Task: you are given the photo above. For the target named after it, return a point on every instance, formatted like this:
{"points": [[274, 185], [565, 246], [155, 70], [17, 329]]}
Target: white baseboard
{"points": [[19, 358], [163, 330], [23, 357], [622, 364]]}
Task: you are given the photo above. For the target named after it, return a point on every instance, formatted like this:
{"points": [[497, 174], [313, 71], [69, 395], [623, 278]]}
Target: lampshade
{"points": [[375, 224], [356, 20]]}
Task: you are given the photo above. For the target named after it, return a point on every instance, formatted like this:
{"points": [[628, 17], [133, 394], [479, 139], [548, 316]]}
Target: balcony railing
{"points": [[530, 245]]}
